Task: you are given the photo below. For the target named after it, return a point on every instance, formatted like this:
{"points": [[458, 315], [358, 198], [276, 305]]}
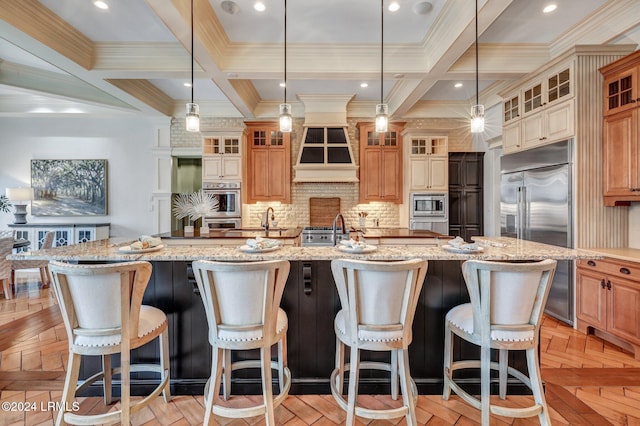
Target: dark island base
{"points": [[311, 302]]}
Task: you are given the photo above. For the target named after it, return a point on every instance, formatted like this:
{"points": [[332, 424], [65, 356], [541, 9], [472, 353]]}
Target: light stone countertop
{"points": [[628, 254], [498, 248]]}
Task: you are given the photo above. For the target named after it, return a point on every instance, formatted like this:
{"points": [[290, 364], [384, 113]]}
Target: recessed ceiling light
{"points": [[422, 8], [100, 4], [364, 84], [282, 84], [187, 84], [394, 6], [230, 7], [550, 8], [457, 85], [259, 6]]}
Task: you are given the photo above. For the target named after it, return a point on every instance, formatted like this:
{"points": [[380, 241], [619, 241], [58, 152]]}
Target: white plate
{"points": [[365, 249], [248, 249], [129, 250], [463, 251]]}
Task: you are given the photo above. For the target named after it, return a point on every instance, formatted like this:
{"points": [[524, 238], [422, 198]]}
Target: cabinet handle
{"points": [[608, 285], [602, 284], [625, 271], [591, 263], [306, 277]]}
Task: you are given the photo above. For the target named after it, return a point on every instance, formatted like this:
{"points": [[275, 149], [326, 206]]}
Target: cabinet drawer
{"points": [[613, 267]]}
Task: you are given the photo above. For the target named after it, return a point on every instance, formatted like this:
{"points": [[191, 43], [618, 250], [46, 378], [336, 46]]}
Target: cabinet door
{"points": [[231, 167], [591, 298], [532, 99], [211, 167], [511, 137], [621, 92], [278, 175], [370, 181], [269, 164], [532, 130], [438, 173], [380, 164], [418, 174], [391, 175], [558, 121], [624, 309], [620, 154], [259, 188]]}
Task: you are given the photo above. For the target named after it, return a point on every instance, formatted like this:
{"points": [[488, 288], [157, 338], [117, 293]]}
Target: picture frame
{"points": [[69, 187]]}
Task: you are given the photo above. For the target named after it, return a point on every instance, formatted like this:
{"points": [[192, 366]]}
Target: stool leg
{"points": [[448, 360], [267, 392], [6, 286], [407, 390], [340, 365], [354, 369], [214, 384], [106, 383], [70, 383], [536, 385], [485, 389], [226, 371], [394, 374], [164, 364], [282, 360], [502, 372], [44, 277], [125, 387]]}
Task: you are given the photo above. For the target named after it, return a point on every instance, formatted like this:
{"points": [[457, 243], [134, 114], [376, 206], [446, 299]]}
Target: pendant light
{"points": [[286, 122], [477, 111], [193, 110], [382, 109]]}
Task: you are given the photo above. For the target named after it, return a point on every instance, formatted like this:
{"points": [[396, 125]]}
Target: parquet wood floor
{"points": [[588, 381]]}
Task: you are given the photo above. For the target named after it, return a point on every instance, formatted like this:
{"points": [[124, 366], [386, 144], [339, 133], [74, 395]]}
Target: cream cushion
{"points": [[254, 333], [150, 319], [462, 317], [367, 335]]}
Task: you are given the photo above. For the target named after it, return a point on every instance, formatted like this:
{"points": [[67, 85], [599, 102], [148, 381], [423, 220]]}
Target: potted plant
{"points": [[193, 207], [4, 204]]}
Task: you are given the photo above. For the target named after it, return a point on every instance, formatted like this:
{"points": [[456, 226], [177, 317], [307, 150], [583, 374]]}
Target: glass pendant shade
{"points": [[477, 119], [193, 118], [286, 122], [382, 118]]}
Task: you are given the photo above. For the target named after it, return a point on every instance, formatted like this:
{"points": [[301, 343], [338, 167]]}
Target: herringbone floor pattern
{"points": [[588, 381]]}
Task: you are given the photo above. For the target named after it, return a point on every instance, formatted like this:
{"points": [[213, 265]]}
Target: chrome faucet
{"points": [[334, 227], [265, 219]]}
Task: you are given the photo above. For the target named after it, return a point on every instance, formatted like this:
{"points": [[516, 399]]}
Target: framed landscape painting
{"points": [[69, 187]]}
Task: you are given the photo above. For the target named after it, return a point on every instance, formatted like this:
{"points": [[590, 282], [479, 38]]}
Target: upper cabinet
{"points": [[621, 138], [222, 156], [428, 158], [540, 111], [268, 163], [380, 163]]}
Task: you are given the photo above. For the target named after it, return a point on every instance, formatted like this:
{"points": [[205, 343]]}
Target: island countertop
{"points": [[494, 248]]}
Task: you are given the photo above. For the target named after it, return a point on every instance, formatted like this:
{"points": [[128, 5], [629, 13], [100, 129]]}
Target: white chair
{"points": [[6, 247], [43, 265], [242, 302], [103, 314], [507, 301], [378, 301]]}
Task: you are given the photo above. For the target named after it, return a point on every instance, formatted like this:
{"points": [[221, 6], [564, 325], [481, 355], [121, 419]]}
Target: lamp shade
{"points": [[19, 194]]}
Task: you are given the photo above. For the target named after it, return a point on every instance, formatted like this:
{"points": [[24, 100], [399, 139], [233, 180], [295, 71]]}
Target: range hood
{"points": [[325, 152]]}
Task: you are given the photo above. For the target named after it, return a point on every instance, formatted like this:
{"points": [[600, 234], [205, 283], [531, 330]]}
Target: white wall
{"points": [[126, 143]]}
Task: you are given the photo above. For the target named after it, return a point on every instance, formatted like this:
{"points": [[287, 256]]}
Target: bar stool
{"points": [[378, 301], [507, 301], [242, 302], [6, 246], [103, 314], [42, 265]]}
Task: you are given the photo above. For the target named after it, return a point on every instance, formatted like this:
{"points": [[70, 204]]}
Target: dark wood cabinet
{"points": [[466, 174]]}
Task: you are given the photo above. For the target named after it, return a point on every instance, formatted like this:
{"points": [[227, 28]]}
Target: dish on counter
{"points": [[129, 250], [357, 249], [248, 249], [452, 249]]}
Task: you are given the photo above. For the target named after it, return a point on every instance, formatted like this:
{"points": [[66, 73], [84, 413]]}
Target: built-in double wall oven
{"points": [[228, 213], [429, 212]]}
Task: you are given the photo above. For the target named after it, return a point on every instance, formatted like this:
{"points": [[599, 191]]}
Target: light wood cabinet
{"points": [[380, 163], [268, 163], [428, 162], [608, 300], [222, 158], [621, 140]]}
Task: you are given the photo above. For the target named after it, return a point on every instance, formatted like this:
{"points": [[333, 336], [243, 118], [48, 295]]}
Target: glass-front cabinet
{"points": [[222, 156], [64, 234]]}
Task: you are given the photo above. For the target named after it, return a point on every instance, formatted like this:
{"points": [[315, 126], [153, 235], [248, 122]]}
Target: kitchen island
{"points": [[311, 302]]}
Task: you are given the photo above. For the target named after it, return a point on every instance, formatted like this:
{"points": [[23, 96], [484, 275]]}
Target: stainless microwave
{"points": [[432, 206]]}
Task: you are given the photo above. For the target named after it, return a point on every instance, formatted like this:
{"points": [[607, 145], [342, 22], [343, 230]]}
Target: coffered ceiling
{"points": [[70, 57]]}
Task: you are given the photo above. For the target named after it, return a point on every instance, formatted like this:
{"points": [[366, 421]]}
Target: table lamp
{"points": [[19, 197]]}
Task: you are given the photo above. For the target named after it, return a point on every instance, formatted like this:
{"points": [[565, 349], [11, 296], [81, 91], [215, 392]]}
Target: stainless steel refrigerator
{"points": [[536, 204]]}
